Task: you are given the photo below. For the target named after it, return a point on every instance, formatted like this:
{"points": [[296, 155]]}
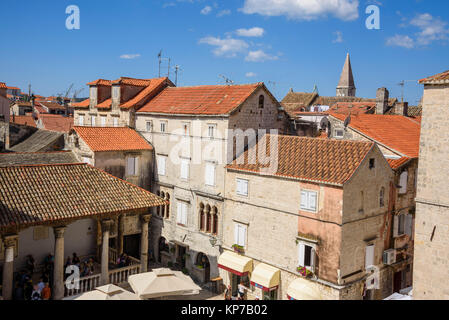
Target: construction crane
{"points": [[76, 93], [402, 84], [62, 96]]}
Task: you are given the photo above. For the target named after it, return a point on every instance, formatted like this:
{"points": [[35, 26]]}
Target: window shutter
{"points": [[395, 226], [81, 120], [369, 256], [184, 169], [312, 201], [184, 214], [301, 254], [403, 182], [103, 121], [130, 166], [236, 234], [242, 234], [210, 175], [304, 200], [161, 165], [179, 215], [136, 165], [239, 186], [312, 259], [245, 187], [408, 224]]}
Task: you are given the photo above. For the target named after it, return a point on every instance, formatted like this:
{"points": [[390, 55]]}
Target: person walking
{"points": [[46, 292], [228, 293]]}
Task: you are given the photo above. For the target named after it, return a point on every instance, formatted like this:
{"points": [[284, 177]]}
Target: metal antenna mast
{"points": [[227, 80], [160, 61], [177, 69], [402, 84]]}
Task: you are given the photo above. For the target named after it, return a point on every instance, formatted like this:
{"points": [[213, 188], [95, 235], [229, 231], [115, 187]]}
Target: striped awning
{"points": [[235, 263], [301, 289], [265, 277]]}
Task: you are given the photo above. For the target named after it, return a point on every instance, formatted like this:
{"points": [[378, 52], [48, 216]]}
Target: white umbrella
{"points": [[108, 292], [162, 282]]}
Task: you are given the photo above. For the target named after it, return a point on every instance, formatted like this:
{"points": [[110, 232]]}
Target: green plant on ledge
{"points": [[238, 248], [305, 272], [172, 250], [199, 266]]}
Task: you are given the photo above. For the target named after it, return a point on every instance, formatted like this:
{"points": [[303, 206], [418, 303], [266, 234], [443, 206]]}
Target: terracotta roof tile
{"points": [[23, 120], [396, 132], [310, 159], [56, 122], [26, 158], [52, 105], [153, 88], [40, 109], [353, 107], [82, 104], [100, 82], [206, 100], [3, 85], [106, 104], [132, 81], [397, 163], [112, 138], [33, 195], [436, 79]]}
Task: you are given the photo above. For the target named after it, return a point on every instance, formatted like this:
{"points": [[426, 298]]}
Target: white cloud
{"points": [[432, 29], [130, 56], [339, 37], [227, 47], [225, 12], [401, 41], [250, 74], [253, 32], [206, 10], [304, 9], [259, 56]]}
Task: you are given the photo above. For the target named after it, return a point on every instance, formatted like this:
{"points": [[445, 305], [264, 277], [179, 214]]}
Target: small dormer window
{"points": [[372, 163], [261, 101]]}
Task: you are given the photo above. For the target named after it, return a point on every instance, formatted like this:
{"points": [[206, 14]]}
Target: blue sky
{"points": [[288, 43]]}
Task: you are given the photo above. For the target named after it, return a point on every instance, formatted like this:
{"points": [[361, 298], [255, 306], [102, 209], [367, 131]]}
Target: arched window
{"points": [[382, 197], [163, 207], [215, 220], [261, 101], [208, 219], [158, 208], [167, 207], [201, 217]]}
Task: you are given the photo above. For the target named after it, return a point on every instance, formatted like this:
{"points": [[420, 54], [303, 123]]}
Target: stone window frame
{"points": [[237, 179], [339, 136], [317, 200], [312, 244]]}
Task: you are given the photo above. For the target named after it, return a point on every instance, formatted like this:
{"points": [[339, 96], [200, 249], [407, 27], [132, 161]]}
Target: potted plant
{"points": [[199, 266], [172, 250], [305, 272], [238, 248]]}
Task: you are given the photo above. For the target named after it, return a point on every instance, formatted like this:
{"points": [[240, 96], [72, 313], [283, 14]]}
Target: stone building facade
{"points": [[346, 219], [431, 269], [189, 130]]}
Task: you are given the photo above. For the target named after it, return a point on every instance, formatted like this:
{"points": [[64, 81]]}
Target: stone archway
{"points": [[202, 264]]}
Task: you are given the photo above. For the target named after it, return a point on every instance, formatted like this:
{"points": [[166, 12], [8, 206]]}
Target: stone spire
{"points": [[346, 86]]}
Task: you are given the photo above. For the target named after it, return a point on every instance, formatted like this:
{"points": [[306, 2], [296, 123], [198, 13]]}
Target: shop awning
{"points": [[235, 263], [265, 277], [301, 289]]}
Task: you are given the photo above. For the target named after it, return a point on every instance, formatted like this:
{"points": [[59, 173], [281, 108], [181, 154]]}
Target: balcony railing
{"points": [[121, 275], [86, 284]]}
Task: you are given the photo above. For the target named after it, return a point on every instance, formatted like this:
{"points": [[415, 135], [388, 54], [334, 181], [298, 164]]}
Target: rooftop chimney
{"points": [[382, 96]]}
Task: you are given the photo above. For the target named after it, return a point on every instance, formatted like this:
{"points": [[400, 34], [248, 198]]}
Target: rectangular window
{"points": [[81, 120], [161, 165], [210, 174], [306, 256], [88, 160], [242, 187], [211, 131], [240, 234], [369, 256], [115, 121], [132, 166], [339, 133], [149, 126], [309, 200], [103, 121], [93, 121], [181, 217], [402, 225], [185, 169], [163, 126]]}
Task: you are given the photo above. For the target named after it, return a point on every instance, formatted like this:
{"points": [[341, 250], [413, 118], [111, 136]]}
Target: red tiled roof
{"points": [[100, 82], [112, 139], [207, 100], [23, 120], [397, 163], [152, 89], [43, 194], [353, 107], [106, 104], [13, 88], [56, 122], [393, 131], [40, 109], [3, 85], [310, 159], [52, 105], [436, 79], [82, 104], [132, 81]]}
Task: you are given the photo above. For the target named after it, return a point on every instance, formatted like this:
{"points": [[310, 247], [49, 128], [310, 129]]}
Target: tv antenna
{"points": [[402, 84], [315, 89], [160, 58], [227, 80], [177, 69], [273, 83]]}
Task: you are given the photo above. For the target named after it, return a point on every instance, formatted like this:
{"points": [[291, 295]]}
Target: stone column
{"points": [[58, 269], [120, 232], [145, 219], [106, 226], [8, 267]]}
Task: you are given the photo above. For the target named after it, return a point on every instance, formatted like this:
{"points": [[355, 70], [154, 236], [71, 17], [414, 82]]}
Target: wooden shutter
{"points": [[161, 165], [81, 120], [210, 175], [403, 182], [312, 201], [312, 259], [304, 200], [179, 215], [236, 233], [184, 214], [369, 256], [131, 166], [242, 235], [395, 226], [301, 254], [408, 224]]}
